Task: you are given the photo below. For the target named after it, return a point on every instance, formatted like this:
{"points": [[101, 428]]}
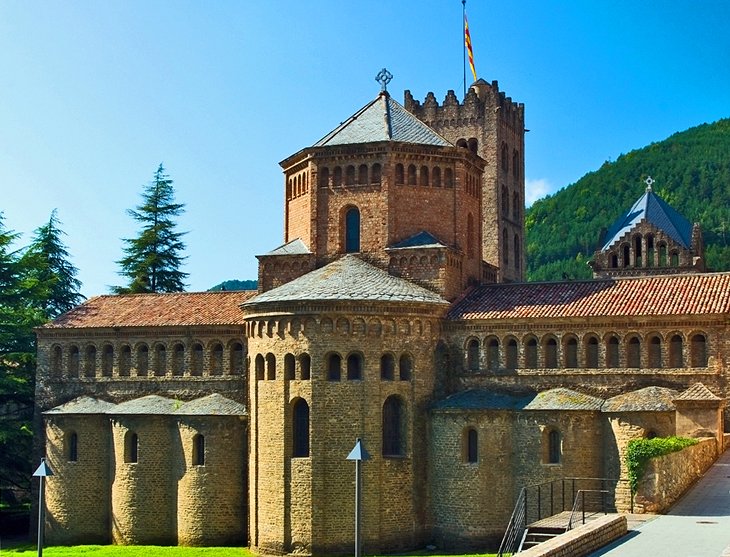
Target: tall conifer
{"points": [[153, 259]]}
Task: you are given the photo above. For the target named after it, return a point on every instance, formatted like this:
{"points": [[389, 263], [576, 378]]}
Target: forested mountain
{"points": [[691, 170], [235, 285]]}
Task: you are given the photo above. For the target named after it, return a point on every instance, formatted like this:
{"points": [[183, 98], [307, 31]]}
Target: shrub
{"points": [[640, 451]]}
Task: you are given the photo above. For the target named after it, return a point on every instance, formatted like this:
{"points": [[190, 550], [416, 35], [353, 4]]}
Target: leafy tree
{"points": [[48, 262], [152, 260]]}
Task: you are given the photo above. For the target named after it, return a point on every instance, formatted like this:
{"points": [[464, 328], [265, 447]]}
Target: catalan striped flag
{"points": [[467, 42]]}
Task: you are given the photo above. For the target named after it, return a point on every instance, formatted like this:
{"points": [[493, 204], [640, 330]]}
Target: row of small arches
{"points": [[630, 254], [425, 176], [516, 163], [551, 352], [157, 359], [297, 185], [346, 326], [351, 368], [362, 175]]}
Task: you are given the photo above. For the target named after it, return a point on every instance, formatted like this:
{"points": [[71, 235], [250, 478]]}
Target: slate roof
{"points": [[150, 404], [382, 119], [348, 278], [156, 310], [212, 405], [421, 240], [478, 399], [564, 399], [696, 294], [698, 392], [656, 211], [653, 399], [82, 405], [295, 247]]}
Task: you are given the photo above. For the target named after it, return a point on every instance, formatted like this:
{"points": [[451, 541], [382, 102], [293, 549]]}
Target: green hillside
{"points": [[692, 173]]}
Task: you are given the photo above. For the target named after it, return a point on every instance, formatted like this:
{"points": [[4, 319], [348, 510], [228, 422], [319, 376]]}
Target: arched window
{"points": [[474, 145], [405, 367], [551, 353], [571, 353], [472, 355], [376, 174], [305, 366], [178, 359], [198, 450], [662, 255], [352, 230], [73, 447], [655, 352], [424, 176], [73, 361], [676, 356], [505, 201], [393, 427], [436, 177], [143, 360], [399, 175], [633, 352], [516, 207], [289, 366], [531, 353], [235, 363], [612, 352], [614, 261], [56, 360], [350, 175], [107, 360], [270, 367], [505, 247], [334, 367], [300, 427], [216, 359], [592, 353], [196, 359], [131, 446], [160, 360], [649, 250], [470, 236], [259, 365], [626, 251], [511, 354], [448, 178], [516, 164], [553, 447], [90, 361], [362, 174], [125, 360], [471, 448], [637, 251], [324, 177], [354, 367], [387, 367], [518, 258], [411, 174], [699, 350], [492, 354], [674, 259], [337, 176], [505, 157]]}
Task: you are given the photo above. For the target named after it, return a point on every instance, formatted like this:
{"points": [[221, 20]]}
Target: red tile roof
{"points": [[696, 294], [156, 310]]}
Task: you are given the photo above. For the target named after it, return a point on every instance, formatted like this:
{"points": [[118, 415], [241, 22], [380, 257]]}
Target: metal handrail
{"points": [[515, 527], [581, 495]]}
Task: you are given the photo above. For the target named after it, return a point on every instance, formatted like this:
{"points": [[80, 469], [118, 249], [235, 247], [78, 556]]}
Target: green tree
{"points": [[47, 261], [152, 260]]}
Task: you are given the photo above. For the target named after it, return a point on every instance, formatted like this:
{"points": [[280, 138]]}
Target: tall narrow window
{"points": [[592, 353], [436, 177], [472, 445], [350, 175], [655, 352], [637, 252], [143, 360], [334, 367], [472, 355], [131, 445], [612, 355], [216, 359], [270, 366], [337, 176], [676, 356], [517, 251], [650, 250], [352, 230], [405, 367], [376, 174], [289, 362], [260, 367], [56, 360], [160, 360], [73, 447], [531, 353], [178, 359], [235, 360], [492, 354], [197, 359], [90, 361], [699, 351], [571, 353], [305, 366], [107, 360], [362, 174], [633, 353], [470, 240], [198, 450], [300, 423], [551, 353], [354, 367], [125, 360], [387, 367], [399, 175], [505, 247], [554, 447], [393, 427], [424, 176], [511, 354], [662, 255], [448, 178], [411, 174], [324, 177]]}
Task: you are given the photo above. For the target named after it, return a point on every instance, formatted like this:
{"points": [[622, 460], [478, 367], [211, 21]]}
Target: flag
{"points": [[467, 42]]}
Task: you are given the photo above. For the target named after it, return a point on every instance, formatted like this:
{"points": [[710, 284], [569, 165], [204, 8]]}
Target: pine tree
{"points": [[48, 262], [152, 260]]}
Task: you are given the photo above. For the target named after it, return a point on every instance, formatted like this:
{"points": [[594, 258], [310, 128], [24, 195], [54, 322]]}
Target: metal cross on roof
{"points": [[649, 181], [383, 77]]}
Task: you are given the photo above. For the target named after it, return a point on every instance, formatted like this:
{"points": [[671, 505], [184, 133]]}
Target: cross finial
{"points": [[649, 181], [383, 77]]}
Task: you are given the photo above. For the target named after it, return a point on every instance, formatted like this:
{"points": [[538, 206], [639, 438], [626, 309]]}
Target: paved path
{"points": [[697, 526]]}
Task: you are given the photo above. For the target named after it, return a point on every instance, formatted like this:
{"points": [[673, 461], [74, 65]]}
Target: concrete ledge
{"points": [[582, 540]]}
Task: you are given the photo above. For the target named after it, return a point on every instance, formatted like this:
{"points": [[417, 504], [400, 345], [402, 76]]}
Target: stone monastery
{"points": [[395, 311]]}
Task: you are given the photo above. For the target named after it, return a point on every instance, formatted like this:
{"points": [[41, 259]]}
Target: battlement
{"points": [[480, 97]]}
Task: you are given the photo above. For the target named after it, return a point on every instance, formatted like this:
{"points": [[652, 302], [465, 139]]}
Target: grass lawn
{"points": [[29, 550]]}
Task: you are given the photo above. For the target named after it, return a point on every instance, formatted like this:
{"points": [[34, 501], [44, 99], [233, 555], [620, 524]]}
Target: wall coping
{"points": [[582, 540]]}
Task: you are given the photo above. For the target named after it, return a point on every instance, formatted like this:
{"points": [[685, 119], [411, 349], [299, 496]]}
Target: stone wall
{"points": [[667, 477], [583, 540]]}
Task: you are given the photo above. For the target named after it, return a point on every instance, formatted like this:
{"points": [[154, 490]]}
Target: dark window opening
{"points": [[405, 367], [300, 424], [472, 445], [305, 366], [131, 447], [554, 447], [73, 447], [334, 367], [393, 427], [352, 230], [354, 367], [198, 450], [387, 367]]}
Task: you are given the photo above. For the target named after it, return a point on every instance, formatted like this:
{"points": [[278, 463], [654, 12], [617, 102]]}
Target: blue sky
{"points": [[94, 95]]}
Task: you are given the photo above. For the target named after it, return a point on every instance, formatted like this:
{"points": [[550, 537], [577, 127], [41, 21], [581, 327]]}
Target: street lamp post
{"points": [[43, 471], [358, 454]]}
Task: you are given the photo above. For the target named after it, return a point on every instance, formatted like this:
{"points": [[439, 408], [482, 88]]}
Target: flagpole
{"points": [[463, 38]]}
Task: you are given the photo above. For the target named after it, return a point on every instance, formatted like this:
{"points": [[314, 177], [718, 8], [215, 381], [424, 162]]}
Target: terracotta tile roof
{"points": [[648, 399], [698, 392], [156, 310], [696, 294]]}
